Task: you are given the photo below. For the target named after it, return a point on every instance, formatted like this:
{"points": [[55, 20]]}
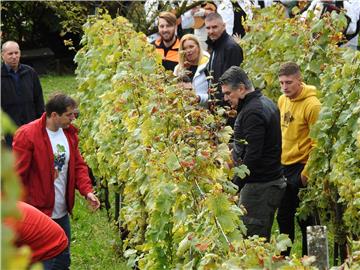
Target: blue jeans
{"points": [[61, 261]]}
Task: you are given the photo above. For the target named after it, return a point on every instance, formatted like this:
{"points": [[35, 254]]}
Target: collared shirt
{"points": [[15, 75]]}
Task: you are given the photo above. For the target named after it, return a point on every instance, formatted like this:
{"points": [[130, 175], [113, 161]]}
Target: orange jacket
{"points": [[170, 55]]}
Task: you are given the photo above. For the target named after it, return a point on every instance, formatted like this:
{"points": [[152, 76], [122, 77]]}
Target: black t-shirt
{"points": [[192, 71]]}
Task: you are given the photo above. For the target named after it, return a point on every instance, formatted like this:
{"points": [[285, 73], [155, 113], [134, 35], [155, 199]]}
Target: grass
{"points": [[50, 84], [93, 240], [93, 237]]}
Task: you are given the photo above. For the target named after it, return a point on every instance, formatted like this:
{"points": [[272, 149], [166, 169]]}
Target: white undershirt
{"points": [[60, 147]]}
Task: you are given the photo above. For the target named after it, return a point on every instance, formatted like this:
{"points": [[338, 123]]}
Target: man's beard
{"points": [[169, 39]]}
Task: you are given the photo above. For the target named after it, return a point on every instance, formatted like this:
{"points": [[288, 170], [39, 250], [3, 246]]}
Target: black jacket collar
{"points": [[7, 69], [248, 97], [215, 44]]}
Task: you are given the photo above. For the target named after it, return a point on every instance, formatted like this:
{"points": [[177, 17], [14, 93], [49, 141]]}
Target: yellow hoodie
{"points": [[297, 116]]}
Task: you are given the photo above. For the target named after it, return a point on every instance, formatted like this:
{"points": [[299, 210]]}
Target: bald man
{"points": [[21, 92]]}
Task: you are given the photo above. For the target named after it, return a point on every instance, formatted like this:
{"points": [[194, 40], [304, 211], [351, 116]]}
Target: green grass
{"points": [[50, 84], [93, 240]]}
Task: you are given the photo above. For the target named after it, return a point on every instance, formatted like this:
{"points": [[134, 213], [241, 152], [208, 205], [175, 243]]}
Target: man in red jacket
{"points": [[49, 162]]}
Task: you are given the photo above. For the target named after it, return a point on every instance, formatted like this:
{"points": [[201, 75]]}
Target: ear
{"points": [[241, 88], [53, 114]]}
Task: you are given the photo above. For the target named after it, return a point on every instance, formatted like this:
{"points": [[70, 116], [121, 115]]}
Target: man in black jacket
{"points": [[225, 52], [257, 144], [21, 92]]}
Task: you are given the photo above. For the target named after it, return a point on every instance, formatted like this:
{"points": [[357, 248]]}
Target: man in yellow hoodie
{"points": [[299, 110]]}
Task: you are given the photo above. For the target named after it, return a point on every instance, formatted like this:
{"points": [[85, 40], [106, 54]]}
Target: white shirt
{"points": [[352, 8], [61, 151]]}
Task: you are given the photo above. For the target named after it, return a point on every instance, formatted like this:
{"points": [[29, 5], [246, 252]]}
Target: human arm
{"points": [[225, 9], [233, 56], [353, 14], [38, 96], [253, 127], [83, 182], [187, 19], [203, 98], [93, 201], [23, 151], [201, 86], [311, 116]]}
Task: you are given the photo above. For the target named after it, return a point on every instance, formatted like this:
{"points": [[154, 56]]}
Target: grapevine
{"points": [[143, 136]]}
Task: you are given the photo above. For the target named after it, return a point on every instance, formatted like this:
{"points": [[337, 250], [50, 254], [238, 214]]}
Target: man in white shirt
{"points": [[50, 165]]}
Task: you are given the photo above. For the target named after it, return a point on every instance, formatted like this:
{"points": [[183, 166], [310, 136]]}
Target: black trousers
{"points": [[261, 201], [289, 203]]}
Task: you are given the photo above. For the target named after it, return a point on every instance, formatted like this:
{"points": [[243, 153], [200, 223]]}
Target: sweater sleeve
{"points": [[233, 57], [254, 133], [225, 9], [201, 87], [187, 20], [23, 150], [311, 118], [83, 181], [353, 12]]}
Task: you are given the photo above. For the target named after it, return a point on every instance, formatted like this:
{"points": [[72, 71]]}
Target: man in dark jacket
{"points": [[21, 92], [257, 144], [225, 52]]}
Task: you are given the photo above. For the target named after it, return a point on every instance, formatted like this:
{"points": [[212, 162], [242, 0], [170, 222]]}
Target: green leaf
{"points": [[172, 162]]}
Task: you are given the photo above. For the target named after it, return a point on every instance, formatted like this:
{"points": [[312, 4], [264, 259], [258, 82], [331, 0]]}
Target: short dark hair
{"points": [[213, 16], [169, 17], [59, 103], [289, 68], [234, 77]]}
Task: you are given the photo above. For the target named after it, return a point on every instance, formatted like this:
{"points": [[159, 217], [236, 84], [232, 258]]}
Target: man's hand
{"points": [[93, 201], [186, 85], [303, 180]]}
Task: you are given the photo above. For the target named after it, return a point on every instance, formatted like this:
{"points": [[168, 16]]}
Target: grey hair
{"points": [[234, 77], [7, 43], [214, 16]]}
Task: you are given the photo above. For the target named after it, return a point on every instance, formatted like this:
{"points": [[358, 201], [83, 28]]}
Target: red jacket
{"points": [[35, 165]]}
